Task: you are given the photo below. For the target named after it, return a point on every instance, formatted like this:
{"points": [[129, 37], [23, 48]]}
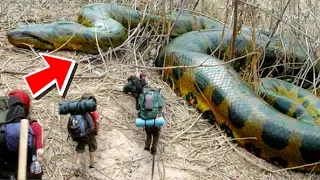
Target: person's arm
{"points": [[96, 117], [37, 130], [126, 88], [146, 83]]}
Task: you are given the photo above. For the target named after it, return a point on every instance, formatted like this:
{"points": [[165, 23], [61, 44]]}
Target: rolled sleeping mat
{"points": [[80, 106], [150, 122]]}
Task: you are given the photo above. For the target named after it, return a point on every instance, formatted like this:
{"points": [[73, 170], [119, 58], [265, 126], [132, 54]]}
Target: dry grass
{"points": [[190, 148]]}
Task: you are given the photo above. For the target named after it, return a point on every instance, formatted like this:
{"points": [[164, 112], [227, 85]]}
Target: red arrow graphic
{"points": [[59, 72]]}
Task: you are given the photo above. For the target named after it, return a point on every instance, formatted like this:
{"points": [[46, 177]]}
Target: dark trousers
{"points": [[135, 95], [137, 103], [153, 133]]}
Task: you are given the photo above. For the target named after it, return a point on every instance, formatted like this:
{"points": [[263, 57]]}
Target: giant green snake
{"points": [[284, 122]]}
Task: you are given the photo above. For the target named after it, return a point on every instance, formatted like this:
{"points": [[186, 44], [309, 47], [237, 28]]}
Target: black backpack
{"points": [[80, 127], [133, 86]]}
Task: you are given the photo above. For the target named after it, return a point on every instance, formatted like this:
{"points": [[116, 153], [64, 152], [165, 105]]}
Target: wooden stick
{"points": [[277, 23], [23, 149], [234, 30], [152, 167]]}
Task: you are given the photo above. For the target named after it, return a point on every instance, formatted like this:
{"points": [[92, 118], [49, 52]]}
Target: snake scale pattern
{"points": [[283, 118]]}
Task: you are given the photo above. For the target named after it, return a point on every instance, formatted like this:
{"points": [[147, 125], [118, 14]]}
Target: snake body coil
{"points": [[284, 122]]}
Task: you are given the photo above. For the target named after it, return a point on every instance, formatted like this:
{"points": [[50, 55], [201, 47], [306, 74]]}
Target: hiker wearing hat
{"points": [[18, 104], [36, 127], [142, 83], [143, 80]]}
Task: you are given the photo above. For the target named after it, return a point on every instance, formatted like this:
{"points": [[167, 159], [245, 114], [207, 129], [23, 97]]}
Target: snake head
{"points": [[27, 36]]}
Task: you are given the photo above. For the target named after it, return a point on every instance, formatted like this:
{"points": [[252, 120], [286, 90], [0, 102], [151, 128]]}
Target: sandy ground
{"points": [[187, 150]]}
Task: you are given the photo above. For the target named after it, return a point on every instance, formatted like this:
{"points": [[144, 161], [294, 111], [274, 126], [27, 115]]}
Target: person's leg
{"points": [[92, 148], [78, 159], [148, 140], [137, 103], [80, 149], [92, 163], [155, 134]]}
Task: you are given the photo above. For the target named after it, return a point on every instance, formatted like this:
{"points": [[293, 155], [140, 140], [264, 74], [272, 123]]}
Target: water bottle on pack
{"points": [[35, 167], [12, 177]]}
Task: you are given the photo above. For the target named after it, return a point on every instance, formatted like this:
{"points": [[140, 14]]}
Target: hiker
{"points": [[14, 114], [151, 110], [36, 127], [143, 83], [143, 80], [136, 86], [90, 140]]}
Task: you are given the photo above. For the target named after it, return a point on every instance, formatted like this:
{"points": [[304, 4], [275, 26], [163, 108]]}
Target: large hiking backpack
{"points": [[80, 126], [150, 103], [12, 111], [133, 86]]}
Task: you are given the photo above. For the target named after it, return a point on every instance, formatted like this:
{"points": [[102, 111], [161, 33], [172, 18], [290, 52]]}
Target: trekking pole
{"points": [[152, 166], [22, 166]]}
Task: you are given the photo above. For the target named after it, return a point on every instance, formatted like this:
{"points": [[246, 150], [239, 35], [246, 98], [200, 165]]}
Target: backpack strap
{"points": [[75, 112], [18, 114], [32, 121], [89, 125], [68, 136]]}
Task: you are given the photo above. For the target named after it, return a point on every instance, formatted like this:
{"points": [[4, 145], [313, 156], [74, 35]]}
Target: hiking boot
{"points": [[146, 148], [92, 165], [76, 169]]}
